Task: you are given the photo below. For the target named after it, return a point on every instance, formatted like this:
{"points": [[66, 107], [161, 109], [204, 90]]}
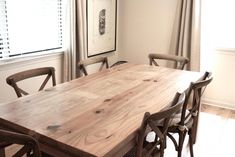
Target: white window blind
{"points": [[29, 27], [4, 42]]}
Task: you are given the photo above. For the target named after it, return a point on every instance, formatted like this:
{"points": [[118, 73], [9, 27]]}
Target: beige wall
{"points": [[144, 27], [7, 93]]}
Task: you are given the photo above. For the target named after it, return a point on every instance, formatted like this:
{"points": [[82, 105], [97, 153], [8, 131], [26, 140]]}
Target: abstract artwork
{"points": [[101, 26]]}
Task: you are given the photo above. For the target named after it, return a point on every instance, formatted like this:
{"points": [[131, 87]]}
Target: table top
{"points": [[99, 113]]}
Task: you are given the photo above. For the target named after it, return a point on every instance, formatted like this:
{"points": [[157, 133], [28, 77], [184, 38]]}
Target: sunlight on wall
{"points": [[218, 50], [224, 24], [217, 29]]}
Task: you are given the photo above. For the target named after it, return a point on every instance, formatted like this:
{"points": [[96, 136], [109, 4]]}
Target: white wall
{"points": [[145, 26], [221, 92], [7, 93]]}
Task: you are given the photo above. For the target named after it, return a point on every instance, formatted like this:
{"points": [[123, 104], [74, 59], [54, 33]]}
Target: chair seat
{"points": [[172, 124], [177, 117]]}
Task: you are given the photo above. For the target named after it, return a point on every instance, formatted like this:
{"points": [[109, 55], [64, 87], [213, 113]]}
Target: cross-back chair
{"points": [[13, 79], [150, 125], [180, 61], [29, 146], [187, 120], [82, 64], [118, 63]]}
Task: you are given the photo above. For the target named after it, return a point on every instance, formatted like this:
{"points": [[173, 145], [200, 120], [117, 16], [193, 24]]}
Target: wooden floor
{"points": [[216, 134]]}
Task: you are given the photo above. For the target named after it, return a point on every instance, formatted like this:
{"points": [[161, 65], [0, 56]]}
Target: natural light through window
{"points": [[218, 24], [32, 26]]}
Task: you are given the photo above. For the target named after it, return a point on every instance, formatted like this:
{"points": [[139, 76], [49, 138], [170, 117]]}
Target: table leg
{"points": [[2, 152], [45, 155]]}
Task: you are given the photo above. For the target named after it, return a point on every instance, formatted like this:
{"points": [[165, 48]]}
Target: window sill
{"points": [[226, 49], [227, 52], [9, 63]]}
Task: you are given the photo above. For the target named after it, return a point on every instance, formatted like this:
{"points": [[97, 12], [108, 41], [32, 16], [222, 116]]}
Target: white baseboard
{"points": [[217, 103]]}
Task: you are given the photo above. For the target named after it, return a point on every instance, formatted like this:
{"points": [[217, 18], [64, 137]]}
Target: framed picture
{"points": [[101, 26]]}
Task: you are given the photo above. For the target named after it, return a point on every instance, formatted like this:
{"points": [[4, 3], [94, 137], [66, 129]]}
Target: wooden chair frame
{"points": [[150, 123], [13, 79], [189, 115], [180, 61], [118, 63], [30, 145], [82, 64]]}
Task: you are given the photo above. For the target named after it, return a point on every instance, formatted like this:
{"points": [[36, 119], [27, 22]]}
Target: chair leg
{"points": [[162, 148], [194, 130], [165, 141], [191, 145], [181, 143], [173, 140]]}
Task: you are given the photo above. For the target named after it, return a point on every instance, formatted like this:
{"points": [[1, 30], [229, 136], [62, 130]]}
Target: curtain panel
{"points": [[185, 39], [75, 37]]}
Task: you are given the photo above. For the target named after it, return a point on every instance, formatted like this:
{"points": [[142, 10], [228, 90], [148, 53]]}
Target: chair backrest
{"points": [[180, 61], [152, 121], [30, 145], [82, 64], [13, 79], [195, 90], [118, 63]]}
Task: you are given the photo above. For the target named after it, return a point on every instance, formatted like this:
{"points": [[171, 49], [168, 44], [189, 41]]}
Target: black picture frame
{"points": [[101, 26]]}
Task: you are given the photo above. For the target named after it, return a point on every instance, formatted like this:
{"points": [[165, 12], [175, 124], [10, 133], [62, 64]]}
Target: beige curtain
{"points": [[186, 35], [75, 37]]}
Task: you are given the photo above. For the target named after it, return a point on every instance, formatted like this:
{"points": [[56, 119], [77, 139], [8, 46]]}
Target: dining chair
{"points": [[29, 146], [118, 63], [187, 120], [13, 79], [150, 125], [82, 64], [179, 60]]}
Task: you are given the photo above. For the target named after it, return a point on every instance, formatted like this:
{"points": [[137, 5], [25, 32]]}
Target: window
{"points": [[218, 24], [4, 42], [29, 27]]}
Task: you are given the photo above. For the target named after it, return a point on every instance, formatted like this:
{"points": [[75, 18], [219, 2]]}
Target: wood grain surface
{"points": [[96, 115]]}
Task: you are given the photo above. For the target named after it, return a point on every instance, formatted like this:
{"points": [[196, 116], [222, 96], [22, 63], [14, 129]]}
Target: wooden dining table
{"points": [[96, 115]]}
